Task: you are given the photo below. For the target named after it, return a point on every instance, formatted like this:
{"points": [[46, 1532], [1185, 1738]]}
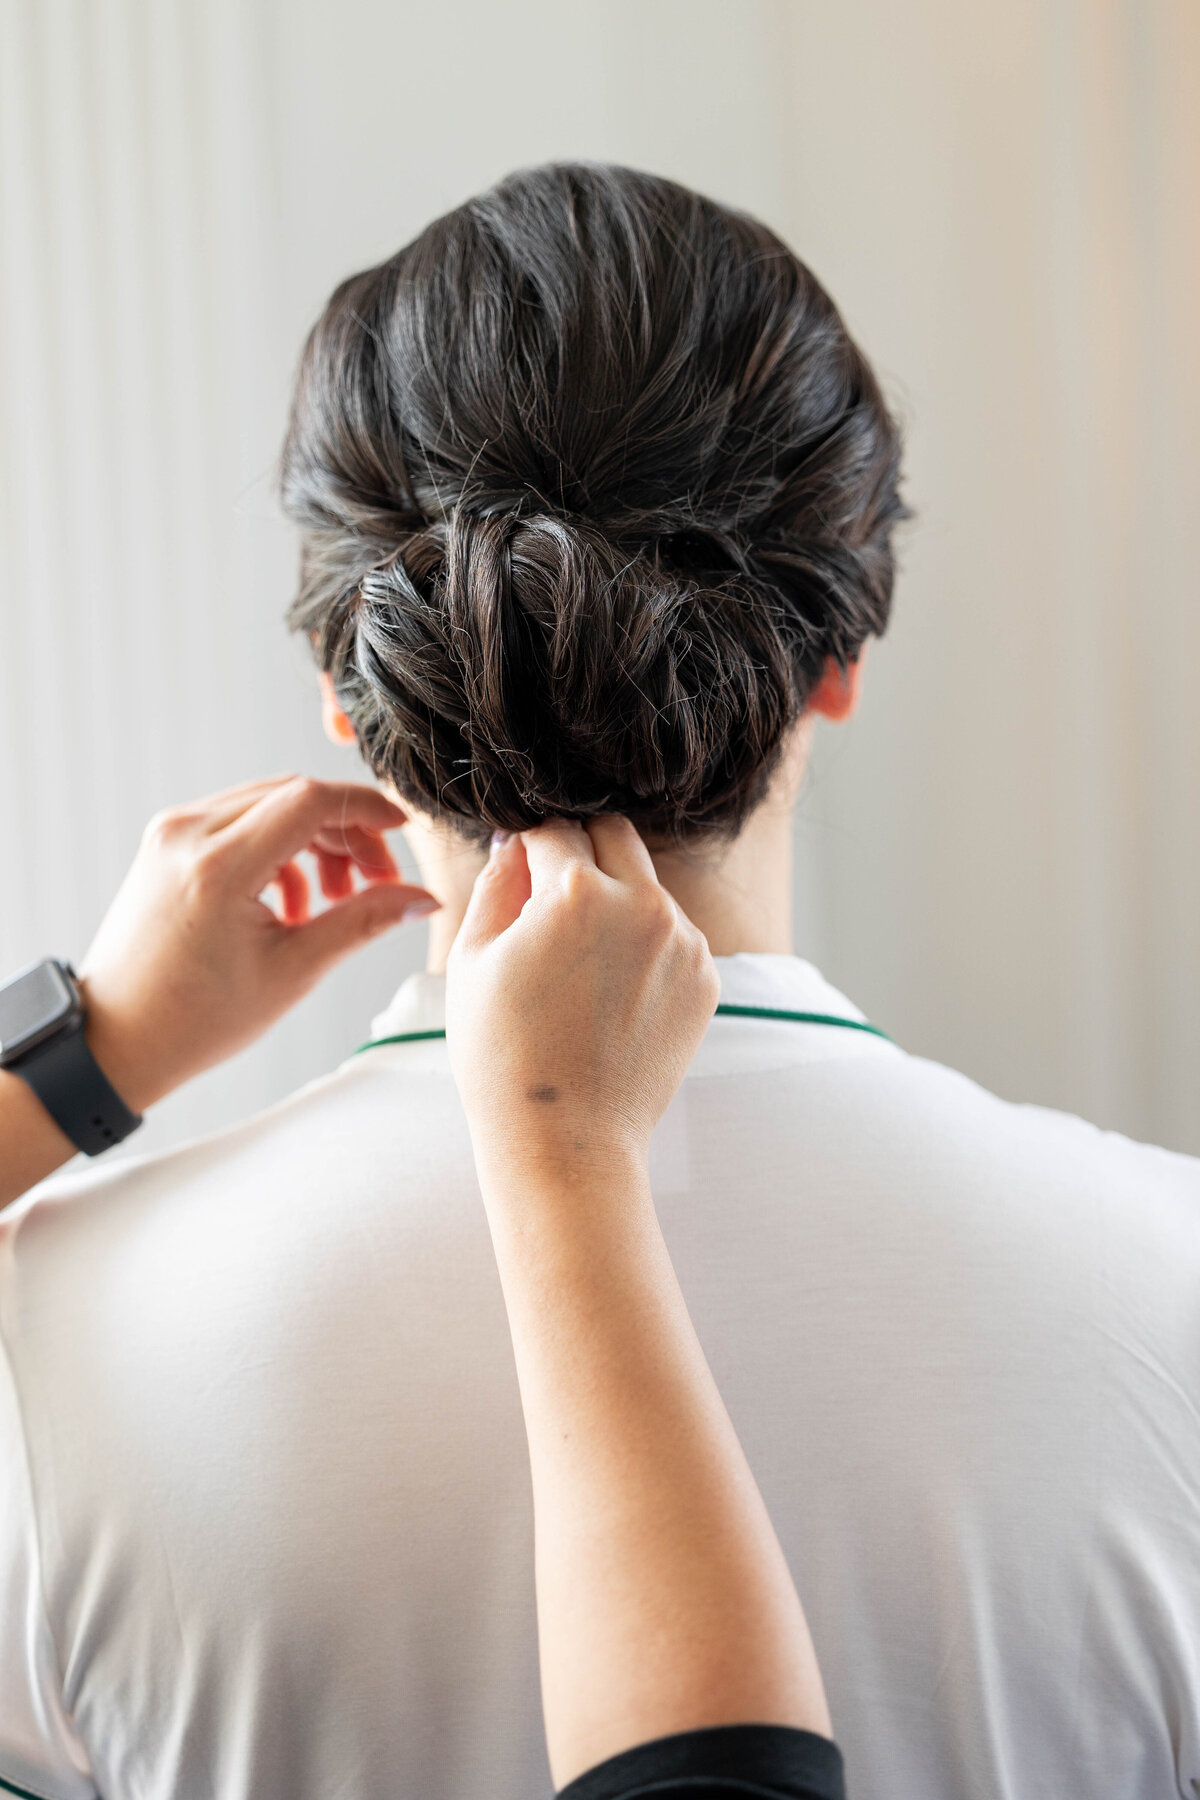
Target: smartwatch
{"points": [[42, 1040]]}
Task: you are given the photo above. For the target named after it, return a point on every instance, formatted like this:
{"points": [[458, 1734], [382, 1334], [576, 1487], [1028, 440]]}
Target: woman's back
{"points": [[278, 1492]]}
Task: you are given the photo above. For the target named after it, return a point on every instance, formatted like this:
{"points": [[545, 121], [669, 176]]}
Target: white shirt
{"points": [[265, 1524]]}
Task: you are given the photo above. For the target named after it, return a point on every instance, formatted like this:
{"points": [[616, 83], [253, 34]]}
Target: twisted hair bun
{"points": [[592, 482]]}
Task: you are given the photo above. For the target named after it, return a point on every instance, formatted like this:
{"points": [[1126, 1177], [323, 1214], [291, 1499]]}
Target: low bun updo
{"points": [[592, 481]]}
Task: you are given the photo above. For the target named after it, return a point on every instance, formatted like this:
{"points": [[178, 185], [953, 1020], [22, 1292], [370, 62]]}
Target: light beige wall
{"points": [[1007, 202], [999, 858]]}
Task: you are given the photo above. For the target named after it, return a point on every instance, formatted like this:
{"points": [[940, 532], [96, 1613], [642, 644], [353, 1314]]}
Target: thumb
{"points": [[350, 923], [501, 889]]}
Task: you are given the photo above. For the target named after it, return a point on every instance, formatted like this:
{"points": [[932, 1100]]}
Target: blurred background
{"points": [[999, 859]]}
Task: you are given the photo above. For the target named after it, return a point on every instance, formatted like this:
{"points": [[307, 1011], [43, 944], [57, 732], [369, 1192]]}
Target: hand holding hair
{"points": [[190, 965], [577, 994]]}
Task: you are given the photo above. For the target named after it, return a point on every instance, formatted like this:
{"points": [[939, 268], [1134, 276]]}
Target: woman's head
{"points": [[592, 484]]}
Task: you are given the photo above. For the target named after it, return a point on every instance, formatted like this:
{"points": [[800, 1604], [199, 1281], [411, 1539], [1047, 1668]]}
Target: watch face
{"points": [[31, 1005]]}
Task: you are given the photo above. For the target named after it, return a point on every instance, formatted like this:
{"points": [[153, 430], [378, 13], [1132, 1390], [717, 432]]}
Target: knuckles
{"points": [[641, 914], [207, 871], [583, 889], [304, 787], [653, 918], [166, 827], [301, 793], [659, 912]]}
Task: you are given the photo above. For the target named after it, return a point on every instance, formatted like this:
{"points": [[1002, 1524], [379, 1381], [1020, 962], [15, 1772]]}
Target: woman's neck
{"points": [[738, 893]]}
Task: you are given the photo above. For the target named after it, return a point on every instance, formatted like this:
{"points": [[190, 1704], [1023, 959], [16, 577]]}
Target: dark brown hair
{"points": [[592, 481]]}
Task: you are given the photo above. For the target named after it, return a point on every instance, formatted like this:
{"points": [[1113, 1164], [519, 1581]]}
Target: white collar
{"points": [[786, 983]]}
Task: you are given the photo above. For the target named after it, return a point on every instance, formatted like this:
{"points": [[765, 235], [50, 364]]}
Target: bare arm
{"points": [[31, 1145], [190, 965], [577, 994]]}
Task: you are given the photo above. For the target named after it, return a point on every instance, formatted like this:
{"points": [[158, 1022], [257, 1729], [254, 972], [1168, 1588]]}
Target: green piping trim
{"points": [[401, 1037], [730, 1011], [800, 1018], [404, 1037], [10, 1787]]}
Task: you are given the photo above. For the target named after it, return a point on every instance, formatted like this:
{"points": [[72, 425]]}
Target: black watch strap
{"points": [[76, 1093]]}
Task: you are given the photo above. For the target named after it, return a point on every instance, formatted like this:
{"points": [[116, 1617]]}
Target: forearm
{"points": [[31, 1145], [664, 1602]]}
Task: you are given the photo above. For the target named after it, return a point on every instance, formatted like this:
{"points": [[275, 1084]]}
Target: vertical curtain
{"points": [[143, 568], [1000, 858]]}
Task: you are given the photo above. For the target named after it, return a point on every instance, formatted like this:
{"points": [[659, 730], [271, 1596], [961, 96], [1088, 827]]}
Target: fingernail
{"points": [[420, 909], [499, 839]]}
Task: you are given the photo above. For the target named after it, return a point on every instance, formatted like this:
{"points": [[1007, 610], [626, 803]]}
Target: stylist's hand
{"points": [[576, 996], [190, 965]]}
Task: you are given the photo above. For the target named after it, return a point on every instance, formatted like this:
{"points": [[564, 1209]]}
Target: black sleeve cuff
{"points": [[726, 1762]]}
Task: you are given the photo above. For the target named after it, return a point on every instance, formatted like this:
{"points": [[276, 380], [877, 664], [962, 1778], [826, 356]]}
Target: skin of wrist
{"points": [[540, 1169], [126, 1057], [560, 1154]]}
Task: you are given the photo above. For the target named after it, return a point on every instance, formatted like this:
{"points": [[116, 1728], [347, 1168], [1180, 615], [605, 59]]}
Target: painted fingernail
{"points": [[420, 909], [499, 839]]}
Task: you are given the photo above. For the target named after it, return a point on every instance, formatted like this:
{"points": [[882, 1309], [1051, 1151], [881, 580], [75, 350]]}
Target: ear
{"points": [[836, 694], [338, 728]]}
